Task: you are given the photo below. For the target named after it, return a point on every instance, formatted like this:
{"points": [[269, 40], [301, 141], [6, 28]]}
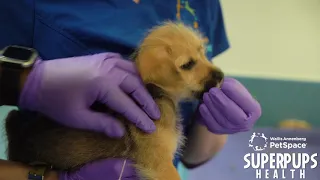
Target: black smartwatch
{"points": [[14, 60]]}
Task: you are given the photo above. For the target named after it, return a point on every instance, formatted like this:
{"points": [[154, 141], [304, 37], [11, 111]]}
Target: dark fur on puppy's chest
{"points": [[155, 91], [44, 140]]}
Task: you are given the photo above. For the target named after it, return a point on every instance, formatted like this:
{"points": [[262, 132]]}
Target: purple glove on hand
{"points": [[230, 109], [64, 89], [111, 169]]}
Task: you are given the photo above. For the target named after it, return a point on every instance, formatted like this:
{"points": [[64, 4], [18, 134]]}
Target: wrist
{"points": [[29, 84], [198, 119], [23, 78], [51, 175]]}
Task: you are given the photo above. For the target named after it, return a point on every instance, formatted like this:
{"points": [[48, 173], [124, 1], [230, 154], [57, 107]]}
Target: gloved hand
{"points": [[64, 90], [110, 169], [228, 110]]}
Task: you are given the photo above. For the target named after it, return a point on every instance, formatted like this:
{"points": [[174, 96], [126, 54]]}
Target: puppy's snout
{"points": [[214, 80], [217, 76]]}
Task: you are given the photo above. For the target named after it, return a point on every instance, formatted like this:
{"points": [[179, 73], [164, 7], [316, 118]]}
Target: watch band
{"points": [[10, 84]]}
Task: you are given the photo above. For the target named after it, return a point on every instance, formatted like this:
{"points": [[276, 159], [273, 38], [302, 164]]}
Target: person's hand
{"points": [[65, 89], [228, 110], [110, 169]]}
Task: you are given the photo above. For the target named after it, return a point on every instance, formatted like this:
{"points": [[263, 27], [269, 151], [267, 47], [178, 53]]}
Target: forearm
{"points": [[16, 171], [201, 146]]}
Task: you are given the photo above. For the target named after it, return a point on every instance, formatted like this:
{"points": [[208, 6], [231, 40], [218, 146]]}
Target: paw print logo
{"points": [[258, 141]]}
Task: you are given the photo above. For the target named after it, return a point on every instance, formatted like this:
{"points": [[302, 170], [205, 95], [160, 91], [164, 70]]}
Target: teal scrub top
{"points": [[66, 28]]}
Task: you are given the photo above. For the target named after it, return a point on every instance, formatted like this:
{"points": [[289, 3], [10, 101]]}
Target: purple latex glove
{"points": [[230, 109], [111, 169], [64, 89]]}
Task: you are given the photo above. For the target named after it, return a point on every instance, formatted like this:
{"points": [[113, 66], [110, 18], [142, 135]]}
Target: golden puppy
{"points": [[173, 66]]}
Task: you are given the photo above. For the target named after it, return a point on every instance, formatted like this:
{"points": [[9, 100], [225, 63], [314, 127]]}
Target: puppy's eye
{"points": [[188, 65]]}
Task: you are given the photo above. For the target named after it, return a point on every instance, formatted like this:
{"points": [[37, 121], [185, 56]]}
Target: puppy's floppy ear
{"points": [[155, 91], [150, 58]]}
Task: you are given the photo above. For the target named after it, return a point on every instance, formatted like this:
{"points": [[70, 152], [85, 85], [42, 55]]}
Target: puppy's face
{"points": [[173, 57]]}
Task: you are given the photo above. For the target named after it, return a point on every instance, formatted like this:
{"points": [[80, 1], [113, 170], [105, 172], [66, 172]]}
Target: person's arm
{"points": [[228, 110], [201, 146], [15, 171]]}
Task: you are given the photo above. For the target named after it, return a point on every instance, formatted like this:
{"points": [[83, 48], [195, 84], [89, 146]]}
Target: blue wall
{"points": [[285, 99]]}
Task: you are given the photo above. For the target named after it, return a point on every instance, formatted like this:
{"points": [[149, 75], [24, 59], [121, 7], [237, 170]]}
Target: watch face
{"points": [[18, 53]]}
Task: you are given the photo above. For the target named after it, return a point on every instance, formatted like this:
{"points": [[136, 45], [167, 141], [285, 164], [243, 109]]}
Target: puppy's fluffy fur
{"points": [[173, 65]]}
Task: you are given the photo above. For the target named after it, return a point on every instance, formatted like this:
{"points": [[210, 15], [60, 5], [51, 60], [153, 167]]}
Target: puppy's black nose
{"points": [[214, 79], [217, 75]]}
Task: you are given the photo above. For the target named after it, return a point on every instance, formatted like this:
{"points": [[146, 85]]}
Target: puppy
{"points": [[173, 65]]}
